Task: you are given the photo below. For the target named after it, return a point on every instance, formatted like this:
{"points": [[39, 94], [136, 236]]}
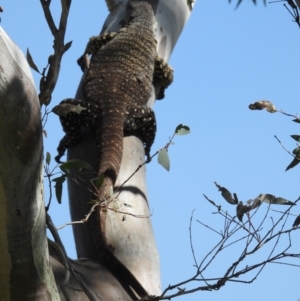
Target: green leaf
{"points": [[59, 180], [99, 181], [292, 164], [75, 164], [127, 205], [296, 120], [296, 137], [65, 108], [58, 192], [182, 130], [48, 158], [59, 186], [296, 151], [31, 62], [163, 159]]}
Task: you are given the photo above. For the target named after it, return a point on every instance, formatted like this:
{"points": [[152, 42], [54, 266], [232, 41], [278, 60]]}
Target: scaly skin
{"points": [[116, 90]]}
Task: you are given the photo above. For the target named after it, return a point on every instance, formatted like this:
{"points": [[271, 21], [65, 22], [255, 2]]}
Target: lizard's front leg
{"points": [[94, 44], [163, 74], [141, 119], [73, 122]]}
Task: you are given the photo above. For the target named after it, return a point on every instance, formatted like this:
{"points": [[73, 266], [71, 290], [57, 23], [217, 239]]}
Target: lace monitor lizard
{"points": [[116, 89]]}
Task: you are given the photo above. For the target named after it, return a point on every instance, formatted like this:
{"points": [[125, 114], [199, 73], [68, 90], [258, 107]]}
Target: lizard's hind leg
{"points": [[163, 74], [141, 119], [72, 123]]}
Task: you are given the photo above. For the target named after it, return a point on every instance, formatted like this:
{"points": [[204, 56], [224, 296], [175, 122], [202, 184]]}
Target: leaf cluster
{"points": [[270, 107], [67, 170]]}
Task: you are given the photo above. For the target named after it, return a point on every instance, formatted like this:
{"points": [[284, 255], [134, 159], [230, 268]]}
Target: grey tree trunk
{"points": [[24, 260]]}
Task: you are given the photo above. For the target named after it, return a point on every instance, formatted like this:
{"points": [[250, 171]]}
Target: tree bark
{"points": [[24, 260]]}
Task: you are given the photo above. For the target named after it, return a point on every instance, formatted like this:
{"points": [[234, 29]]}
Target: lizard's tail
{"points": [[110, 148], [109, 135], [110, 145]]}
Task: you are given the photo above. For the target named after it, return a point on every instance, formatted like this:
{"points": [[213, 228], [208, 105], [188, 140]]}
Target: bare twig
{"points": [[48, 82], [232, 274], [141, 165], [286, 148], [191, 239]]}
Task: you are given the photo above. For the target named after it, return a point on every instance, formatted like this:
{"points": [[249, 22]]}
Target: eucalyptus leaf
{"points": [[296, 120], [296, 151], [226, 194], [292, 164], [59, 180], [163, 159], [263, 104], [48, 158], [296, 137], [182, 130], [271, 199], [282, 201], [297, 221], [59, 186], [75, 164], [99, 181], [58, 192], [31, 62]]}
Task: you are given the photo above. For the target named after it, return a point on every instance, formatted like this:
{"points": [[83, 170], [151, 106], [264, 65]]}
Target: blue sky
{"points": [[224, 60]]}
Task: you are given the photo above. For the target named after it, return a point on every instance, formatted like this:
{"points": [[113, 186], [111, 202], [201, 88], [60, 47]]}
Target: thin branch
{"points": [[213, 230], [191, 239], [49, 81], [286, 148], [141, 165], [48, 16]]}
